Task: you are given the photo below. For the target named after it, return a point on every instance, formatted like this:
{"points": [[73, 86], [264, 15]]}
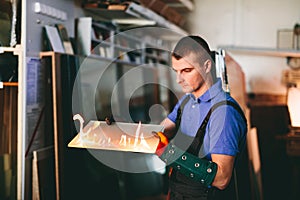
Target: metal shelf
{"points": [[262, 51], [10, 49], [134, 11], [181, 5]]}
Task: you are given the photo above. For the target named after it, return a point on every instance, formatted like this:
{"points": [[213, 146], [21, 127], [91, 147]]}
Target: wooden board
{"points": [[43, 180]]}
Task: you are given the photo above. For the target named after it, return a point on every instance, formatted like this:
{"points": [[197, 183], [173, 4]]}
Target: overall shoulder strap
{"points": [[198, 140], [179, 111], [215, 106]]}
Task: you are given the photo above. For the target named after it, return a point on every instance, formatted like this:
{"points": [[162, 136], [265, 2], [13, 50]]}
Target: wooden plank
{"points": [[57, 117], [254, 157], [6, 119], [236, 81], [5, 176], [266, 100], [2, 129], [14, 125], [35, 179], [10, 120], [8, 137], [42, 171], [57, 121], [11, 84]]}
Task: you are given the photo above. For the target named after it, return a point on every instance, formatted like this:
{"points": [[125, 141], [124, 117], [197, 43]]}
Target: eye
{"points": [[187, 69]]}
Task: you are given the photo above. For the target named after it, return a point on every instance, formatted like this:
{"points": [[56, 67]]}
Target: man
{"points": [[206, 129]]}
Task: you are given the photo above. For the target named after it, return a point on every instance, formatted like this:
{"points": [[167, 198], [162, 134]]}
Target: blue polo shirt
{"points": [[226, 130]]}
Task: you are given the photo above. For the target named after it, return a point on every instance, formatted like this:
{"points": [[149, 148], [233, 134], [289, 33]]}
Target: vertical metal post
{"points": [[22, 122]]}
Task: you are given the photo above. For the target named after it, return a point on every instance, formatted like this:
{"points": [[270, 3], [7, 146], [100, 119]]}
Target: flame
{"points": [[81, 121], [137, 133], [93, 136]]}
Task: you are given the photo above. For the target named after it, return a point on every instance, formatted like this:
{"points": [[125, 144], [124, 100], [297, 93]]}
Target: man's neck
{"points": [[207, 84]]}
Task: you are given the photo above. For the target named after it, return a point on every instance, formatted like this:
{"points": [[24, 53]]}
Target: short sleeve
{"points": [[227, 132], [173, 115]]}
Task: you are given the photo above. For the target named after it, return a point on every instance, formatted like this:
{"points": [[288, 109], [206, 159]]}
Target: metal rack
{"points": [[19, 50], [134, 11], [262, 51], [21, 116]]}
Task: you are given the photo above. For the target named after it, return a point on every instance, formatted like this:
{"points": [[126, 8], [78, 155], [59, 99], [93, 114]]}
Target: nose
{"points": [[179, 78]]}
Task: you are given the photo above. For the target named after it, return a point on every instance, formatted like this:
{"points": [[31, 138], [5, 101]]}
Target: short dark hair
{"points": [[198, 46], [192, 44]]}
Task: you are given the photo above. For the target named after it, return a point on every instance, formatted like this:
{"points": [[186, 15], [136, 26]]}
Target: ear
{"points": [[207, 66]]}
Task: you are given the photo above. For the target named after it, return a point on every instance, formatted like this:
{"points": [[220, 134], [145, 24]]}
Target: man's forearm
{"points": [[169, 128], [198, 169]]}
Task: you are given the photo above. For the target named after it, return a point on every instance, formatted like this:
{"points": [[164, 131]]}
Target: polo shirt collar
{"points": [[213, 91]]}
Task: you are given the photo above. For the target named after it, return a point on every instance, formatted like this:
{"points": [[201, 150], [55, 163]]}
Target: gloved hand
{"points": [[163, 143]]}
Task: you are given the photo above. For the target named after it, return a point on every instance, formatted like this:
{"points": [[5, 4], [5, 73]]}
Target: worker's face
{"points": [[190, 74]]}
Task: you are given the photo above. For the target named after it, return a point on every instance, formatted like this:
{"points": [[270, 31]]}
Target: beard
{"points": [[186, 88]]}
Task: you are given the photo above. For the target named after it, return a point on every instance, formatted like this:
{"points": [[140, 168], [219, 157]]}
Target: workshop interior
{"points": [[67, 65]]}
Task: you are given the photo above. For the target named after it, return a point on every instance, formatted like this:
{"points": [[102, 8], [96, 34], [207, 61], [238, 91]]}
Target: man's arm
{"points": [[169, 128], [225, 166], [215, 173]]}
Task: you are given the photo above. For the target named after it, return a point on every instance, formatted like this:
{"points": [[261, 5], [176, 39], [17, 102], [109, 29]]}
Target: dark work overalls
{"points": [[184, 188]]}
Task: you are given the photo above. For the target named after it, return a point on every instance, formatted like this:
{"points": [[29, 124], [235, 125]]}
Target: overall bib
{"points": [[182, 187]]}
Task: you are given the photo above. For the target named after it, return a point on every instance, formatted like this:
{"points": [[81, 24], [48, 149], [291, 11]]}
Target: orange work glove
{"points": [[163, 143]]}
